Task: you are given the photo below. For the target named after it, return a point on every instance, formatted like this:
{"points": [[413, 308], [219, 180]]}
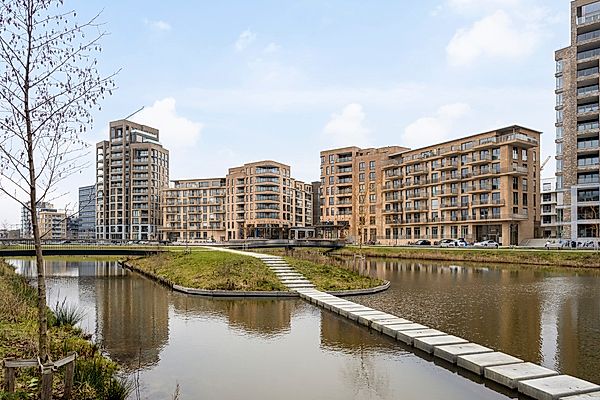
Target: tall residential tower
{"points": [[132, 172], [578, 125]]}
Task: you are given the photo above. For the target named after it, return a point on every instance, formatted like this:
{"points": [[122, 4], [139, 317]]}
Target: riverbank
{"points": [[557, 258], [95, 376], [209, 270]]}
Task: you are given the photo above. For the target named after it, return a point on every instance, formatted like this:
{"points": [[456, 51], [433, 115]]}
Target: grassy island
{"points": [[210, 270], [95, 376], [325, 273]]}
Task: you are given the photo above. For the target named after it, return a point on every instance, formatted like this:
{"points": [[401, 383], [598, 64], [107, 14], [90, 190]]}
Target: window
{"points": [[524, 154], [361, 166], [371, 176], [372, 198], [361, 177], [372, 165], [560, 65], [515, 198], [331, 159], [515, 183], [495, 153], [560, 100], [559, 132], [559, 82], [525, 202], [560, 116], [524, 184], [495, 184], [515, 153]]}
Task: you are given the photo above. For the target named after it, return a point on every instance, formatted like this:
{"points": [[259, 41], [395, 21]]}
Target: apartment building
{"points": [[53, 224], [26, 227], [132, 171], [194, 211], [316, 203], [264, 201], [87, 213], [578, 124], [484, 186], [351, 180], [551, 214]]}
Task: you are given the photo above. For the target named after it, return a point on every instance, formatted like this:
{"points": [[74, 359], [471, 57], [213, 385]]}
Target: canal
{"points": [[268, 349]]}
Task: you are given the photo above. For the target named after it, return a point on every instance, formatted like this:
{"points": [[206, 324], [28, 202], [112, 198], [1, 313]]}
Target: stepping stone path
{"points": [[529, 379]]}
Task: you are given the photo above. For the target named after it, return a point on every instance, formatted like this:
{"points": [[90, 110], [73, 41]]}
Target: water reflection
{"points": [[260, 317], [547, 316]]}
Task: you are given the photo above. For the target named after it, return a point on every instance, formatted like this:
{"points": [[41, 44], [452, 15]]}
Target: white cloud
{"points": [[176, 132], [158, 25], [436, 128], [494, 36], [347, 129], [245, 39], [272, 48]]}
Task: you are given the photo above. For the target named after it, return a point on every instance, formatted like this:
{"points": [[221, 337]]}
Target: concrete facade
{"points": [[578, 124], [484, 186], [132, 171], [551, 210]]}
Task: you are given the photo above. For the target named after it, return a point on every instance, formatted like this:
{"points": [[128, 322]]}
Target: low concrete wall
{"points": [[362, 292]]}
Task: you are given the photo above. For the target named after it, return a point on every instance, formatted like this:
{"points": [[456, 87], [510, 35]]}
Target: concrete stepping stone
{"points": [[510, 375], [381, 316], [427, 344], [589, 396], [392, 330], [477, 362], [299, 286], [409, 336], [364, 317], [379, 324], [555, 387], [451, 352]]}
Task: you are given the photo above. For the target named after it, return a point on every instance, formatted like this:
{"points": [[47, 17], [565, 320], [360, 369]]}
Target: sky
{"points": [[229, 82]]}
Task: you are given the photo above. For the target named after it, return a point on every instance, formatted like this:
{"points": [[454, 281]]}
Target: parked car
{"points": [[423, 242], [461, 242], [556, 244], [448, 243], [487, 244]]}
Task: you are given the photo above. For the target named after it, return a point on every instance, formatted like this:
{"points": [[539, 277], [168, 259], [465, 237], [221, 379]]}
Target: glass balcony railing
{"points": [[587, 90], [588, 18], [586, 108]]}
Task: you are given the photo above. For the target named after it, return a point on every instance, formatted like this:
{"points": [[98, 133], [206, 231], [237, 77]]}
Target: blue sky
{"points": [[229, 82]]}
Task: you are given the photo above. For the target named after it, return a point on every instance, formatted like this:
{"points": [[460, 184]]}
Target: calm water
{"points": [[244, 349], [550, 317]]}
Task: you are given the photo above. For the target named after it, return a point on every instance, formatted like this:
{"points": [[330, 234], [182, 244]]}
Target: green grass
{"points": [[325, 273], [211, 270], [562, 258], [18, 339]]}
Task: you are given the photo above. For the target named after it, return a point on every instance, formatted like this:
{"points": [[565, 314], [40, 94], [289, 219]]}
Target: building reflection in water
{"points": [[258, 317], [133, 320], [547, 316]]}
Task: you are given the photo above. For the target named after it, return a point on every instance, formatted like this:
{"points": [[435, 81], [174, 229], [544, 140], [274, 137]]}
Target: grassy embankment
{"points": [[557, 258], [326, 274], [95, 376], [211, 270]]}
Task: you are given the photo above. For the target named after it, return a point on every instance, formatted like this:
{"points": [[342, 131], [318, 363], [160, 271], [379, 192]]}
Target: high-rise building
{"points": [[132, 171], [578, 125], [316, 203], [350, 178], [194, 210], [264, 201], [87, 213], [484, 186]]}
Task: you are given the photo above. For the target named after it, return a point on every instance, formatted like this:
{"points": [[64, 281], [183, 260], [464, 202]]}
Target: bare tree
{"points": [[49, 86]]}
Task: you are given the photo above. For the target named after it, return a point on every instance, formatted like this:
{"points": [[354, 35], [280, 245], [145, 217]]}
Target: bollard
{"points": [[69, 376]]}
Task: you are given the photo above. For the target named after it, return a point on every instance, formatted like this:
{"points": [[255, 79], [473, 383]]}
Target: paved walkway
{"points": [[529, 379]]}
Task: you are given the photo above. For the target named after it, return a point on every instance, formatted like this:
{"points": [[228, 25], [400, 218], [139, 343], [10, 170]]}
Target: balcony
{"points": [[488, 203], [418, 171], [450, 178], [588, 19], [479, 159], [447, 164], [346, 159], [479, 188], [416, 195], [591, 146], [521, 139], [448, 192], [587, 91]]}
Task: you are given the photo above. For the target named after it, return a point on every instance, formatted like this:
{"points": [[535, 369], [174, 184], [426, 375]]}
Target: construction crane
{"points": [[545, 162], [131, 115]]}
